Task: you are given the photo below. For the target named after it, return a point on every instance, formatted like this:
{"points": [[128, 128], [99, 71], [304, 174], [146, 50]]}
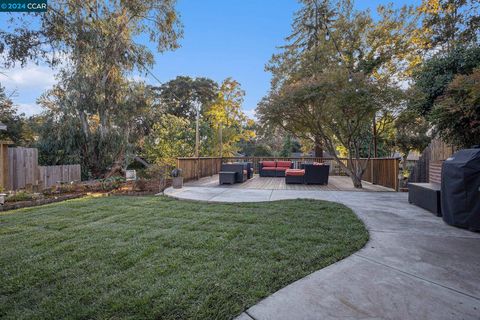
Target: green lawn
{"points": [[159, 258]]}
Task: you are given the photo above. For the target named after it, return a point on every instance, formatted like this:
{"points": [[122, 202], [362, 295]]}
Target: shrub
{"points": [[140, 185], [456, 115], [111, 183], [65, 188], [20, 196]]}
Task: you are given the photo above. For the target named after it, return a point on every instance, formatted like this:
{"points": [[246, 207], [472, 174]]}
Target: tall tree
{"points": [[97, 40], [74, 27], [449, 23], [182, 95], [322, 107], [64, 137], [334, 89], [227, 119], [456, 114], [433, 77], [171, 137], [411, 133]]}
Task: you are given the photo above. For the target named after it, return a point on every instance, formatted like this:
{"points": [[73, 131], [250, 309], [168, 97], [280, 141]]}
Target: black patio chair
{"points": [[316, 174], [240, 170]]}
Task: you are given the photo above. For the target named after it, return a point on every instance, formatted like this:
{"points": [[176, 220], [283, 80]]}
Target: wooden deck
{"points": [[335, 183]]}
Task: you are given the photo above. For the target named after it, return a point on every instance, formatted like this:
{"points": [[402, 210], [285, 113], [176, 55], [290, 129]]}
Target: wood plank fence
{"points": [[22, 167], [196, 168], [429, 167], [381, 171], [51, 175], [24, 171]]}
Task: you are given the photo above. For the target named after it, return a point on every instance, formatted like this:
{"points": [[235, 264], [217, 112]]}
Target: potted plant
{"points": [[177, 178]]}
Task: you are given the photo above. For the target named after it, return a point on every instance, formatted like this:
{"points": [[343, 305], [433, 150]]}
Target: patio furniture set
{"points": [[308, 173]]}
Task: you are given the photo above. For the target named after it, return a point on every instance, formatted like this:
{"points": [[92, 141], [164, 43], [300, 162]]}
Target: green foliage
{"points": [[19, 196], [94, 114], [329, 91], [111, 183], [18, 130], [411, 132], [456, 114], [171, 137], [252, 149], [434, 76], [289, 145], [68, 133], [98, 33], [449, 23], [159, 258], [227, 119], [180, 96]]}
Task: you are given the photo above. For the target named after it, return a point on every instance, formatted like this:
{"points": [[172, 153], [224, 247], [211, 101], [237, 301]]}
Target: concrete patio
{"points": [[413, 267]]}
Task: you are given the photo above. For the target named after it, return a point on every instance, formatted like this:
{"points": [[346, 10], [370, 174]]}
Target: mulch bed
{"points": [[38, 202], [151, 188]]}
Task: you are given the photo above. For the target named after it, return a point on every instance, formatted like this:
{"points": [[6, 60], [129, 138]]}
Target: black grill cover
{"points": [[461, 189]]}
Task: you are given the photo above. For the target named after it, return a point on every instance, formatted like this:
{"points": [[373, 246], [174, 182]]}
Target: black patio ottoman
{"points": [[294, 176], [426, 196], [227, 177]]}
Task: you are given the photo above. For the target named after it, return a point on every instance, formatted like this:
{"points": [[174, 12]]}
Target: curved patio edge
{"points": [[413, 267]]}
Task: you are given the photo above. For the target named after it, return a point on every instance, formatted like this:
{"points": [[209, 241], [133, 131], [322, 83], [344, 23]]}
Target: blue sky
{"points": [[222, 38]]}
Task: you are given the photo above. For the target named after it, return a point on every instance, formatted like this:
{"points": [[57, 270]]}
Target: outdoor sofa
{"points": [[274, 168], [235, 172], [315, 173]]}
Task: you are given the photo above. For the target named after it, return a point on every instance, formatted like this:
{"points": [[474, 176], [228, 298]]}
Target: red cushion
{"points": [[295, 172], [284, 164], [269, 168], [268, 163], [281, 169]]}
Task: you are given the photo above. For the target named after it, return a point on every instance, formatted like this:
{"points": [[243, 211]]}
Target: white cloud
{"points": [[26, 85], [29, 108], [30, 77], [137, 78], [251, 114]]}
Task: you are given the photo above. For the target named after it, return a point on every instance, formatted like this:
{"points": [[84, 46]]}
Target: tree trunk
{"points": [[375, 148], [404, 162], [357, 182], [403, 181], [318, 148], [353, 172], [117, 166]]}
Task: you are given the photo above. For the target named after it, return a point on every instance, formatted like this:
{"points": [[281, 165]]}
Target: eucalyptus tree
{"points": [[93, 44]]}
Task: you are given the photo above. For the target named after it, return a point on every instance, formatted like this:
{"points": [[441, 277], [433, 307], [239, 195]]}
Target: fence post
{"points": [[197, 168], [372, 176], [396, 164]]}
